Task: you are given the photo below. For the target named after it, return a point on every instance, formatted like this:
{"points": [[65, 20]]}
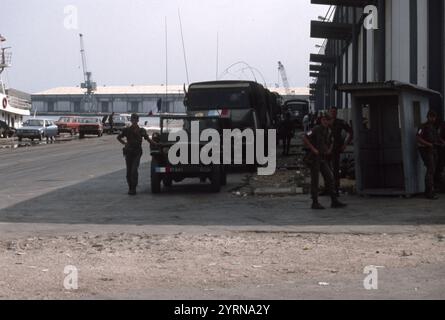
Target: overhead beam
{"points": [[318, 74], [344, 3], [316, 67], [331, 30], [321, 58]]}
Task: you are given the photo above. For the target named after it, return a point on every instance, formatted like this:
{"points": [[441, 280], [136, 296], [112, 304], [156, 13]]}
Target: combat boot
{"points": [[337, 204], [317, 206], [432, 196]]}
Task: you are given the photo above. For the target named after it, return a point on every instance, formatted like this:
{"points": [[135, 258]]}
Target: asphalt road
{"points": [[79, 186], [62, 186]]}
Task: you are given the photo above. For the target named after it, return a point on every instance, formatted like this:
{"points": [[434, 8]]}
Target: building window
{"points": [[105, 107], [134, 107], [77, 106], [50, 106]]}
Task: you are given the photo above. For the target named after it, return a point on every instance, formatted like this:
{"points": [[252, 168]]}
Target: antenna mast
{"points": [[183, 49]]}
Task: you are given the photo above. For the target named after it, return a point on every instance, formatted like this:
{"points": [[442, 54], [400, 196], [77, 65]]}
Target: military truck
{"points": [[163, 172]]}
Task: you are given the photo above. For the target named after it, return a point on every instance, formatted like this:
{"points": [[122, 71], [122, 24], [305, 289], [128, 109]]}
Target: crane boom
{"points": [[283, 74], [88, 101], [84, 58]]}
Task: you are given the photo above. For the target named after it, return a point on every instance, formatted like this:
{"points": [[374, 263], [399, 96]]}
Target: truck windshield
{"points": [[218, 98], [300, 107]]}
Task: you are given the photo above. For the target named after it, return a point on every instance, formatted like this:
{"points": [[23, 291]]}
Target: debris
{"points": [[106, 279], [323, 284], [406, 253]]}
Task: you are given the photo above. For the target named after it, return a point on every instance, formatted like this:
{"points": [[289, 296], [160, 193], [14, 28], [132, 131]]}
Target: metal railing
{"points": [[19, 103], [5, 59]]}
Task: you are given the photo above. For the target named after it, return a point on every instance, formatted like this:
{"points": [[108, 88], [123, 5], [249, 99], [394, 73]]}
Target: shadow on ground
{"points": [[103, 200]]}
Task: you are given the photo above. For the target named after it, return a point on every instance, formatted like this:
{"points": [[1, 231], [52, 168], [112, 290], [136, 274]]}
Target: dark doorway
{"points": [[380, 149]]}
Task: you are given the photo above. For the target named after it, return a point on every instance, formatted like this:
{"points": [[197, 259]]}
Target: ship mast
{"points": [[5, 61]]}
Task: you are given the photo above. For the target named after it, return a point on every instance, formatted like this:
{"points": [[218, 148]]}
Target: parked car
{"points": [[37, 129], [90, 126], [5, 130], [120, 122], [68, 124]]}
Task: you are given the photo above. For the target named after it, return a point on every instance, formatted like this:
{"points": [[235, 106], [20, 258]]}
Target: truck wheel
{"points": [[41, 137], [168, 182], [20, 139], [216, 179], [155, 179], [81, 136], [223, 176], [155, 183]]}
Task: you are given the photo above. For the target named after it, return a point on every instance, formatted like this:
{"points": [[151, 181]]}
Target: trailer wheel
{"points": [[216, 179], [155, 178]]}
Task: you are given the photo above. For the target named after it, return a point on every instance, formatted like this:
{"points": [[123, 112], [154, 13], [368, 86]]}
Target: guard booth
{"points": [[385, 119]]}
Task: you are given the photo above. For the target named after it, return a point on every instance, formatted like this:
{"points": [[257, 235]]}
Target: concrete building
{"points": [[17, 106], [122, 99], [378, 41], [125, 99]]}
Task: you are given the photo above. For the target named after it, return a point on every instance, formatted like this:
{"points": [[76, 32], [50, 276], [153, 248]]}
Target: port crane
{"points": [[283, 74], [89, 100]]}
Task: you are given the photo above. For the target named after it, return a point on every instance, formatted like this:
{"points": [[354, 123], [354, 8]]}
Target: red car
{"points": [[90, 126], [68, 124]]}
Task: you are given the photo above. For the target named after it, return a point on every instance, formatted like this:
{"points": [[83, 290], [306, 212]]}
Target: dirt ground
{"points": [[109, 264]]}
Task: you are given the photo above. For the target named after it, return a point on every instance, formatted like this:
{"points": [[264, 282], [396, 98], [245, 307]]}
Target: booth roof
{"points": [[388, 85]]}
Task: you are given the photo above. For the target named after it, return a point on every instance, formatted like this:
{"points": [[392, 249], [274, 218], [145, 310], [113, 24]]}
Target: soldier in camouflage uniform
{"points": [[320, 144]]}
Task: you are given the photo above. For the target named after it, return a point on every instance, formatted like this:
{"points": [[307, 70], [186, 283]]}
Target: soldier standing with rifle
{"points": [[319, 142], [340, 143], [428, 143]]}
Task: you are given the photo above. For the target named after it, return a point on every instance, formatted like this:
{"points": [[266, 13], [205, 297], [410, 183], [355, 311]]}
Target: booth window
{"points": [[366, 119], [417, 114]]}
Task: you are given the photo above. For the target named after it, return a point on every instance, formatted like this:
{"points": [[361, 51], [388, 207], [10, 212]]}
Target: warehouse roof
{"points": [[144, 89]]}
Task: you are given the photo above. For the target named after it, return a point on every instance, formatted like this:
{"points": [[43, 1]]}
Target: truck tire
{"points": [[168, 182], [155, 179], [216, 179], [81, 135]]}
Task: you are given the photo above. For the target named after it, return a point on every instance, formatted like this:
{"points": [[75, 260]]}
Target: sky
{"points": [[125, 41]]}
